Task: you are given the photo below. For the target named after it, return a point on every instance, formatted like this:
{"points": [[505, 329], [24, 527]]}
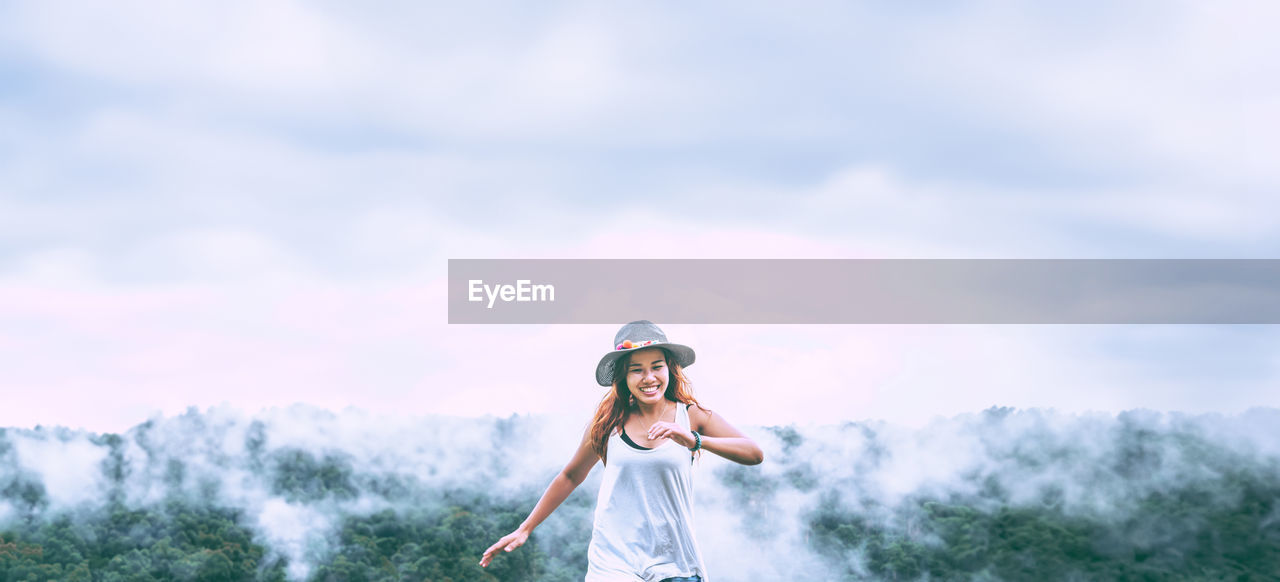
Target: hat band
{"points": [[628, 344]]}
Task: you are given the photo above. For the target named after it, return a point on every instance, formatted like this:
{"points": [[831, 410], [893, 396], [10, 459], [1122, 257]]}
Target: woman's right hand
{"points": [[508, 542]]}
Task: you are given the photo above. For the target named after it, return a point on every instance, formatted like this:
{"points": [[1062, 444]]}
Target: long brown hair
{"points": [[616, 405]]}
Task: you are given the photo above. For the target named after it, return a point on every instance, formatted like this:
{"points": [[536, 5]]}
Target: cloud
{"points": [[257, 205], [297, 472], [1061, 123]]}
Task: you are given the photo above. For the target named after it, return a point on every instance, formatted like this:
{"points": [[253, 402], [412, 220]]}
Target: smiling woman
{"points": [[643, 528]]}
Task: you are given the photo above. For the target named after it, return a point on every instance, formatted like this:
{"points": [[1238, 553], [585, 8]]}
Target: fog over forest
{"points": [[308, 494]]}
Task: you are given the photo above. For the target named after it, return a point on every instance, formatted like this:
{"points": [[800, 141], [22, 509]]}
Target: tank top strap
{"points": [[682, 416]]}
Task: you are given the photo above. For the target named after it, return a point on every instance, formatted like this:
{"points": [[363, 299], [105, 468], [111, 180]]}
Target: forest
{"points": [[1151, 497]]}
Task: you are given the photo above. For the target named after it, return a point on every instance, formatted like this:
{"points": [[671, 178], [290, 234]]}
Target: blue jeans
{"points": [[693, 578]]}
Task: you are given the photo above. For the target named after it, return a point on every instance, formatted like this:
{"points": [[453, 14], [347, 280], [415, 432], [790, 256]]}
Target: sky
{"points": [[253, 205]]}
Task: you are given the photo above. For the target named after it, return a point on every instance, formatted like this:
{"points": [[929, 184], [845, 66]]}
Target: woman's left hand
{"points": [[671, 430]]}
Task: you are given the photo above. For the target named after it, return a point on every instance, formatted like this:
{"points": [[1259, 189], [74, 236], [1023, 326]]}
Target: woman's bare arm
{"points": [[718, 436], [561, 486], [721, 438]]}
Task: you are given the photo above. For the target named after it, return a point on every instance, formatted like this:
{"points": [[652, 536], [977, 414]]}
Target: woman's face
{"points": [[647, 375]]}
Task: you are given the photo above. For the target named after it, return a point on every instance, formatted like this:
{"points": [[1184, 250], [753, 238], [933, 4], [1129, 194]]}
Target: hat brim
{"points": [[682, 354]]}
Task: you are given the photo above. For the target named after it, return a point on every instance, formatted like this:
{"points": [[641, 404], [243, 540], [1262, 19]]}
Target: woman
{"points": [[647, 431]]}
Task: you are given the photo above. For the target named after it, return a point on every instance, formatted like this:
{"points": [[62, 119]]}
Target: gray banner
{"points": [[864, 291]]}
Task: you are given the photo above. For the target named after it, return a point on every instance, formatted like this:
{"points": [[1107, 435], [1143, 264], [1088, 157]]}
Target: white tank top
{"points": [[643, 528]]}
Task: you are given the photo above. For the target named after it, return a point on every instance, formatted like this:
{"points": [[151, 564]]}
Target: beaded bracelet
{"points": [[697, 440]]}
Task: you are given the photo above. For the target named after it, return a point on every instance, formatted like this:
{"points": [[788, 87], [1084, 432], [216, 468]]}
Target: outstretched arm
{"points": [[561, 486]]}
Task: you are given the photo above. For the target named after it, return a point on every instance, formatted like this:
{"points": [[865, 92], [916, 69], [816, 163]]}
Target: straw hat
{"points": [[639, 335]]}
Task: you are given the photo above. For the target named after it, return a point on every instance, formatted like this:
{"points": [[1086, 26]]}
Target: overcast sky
{"points": [[254, 203]]}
